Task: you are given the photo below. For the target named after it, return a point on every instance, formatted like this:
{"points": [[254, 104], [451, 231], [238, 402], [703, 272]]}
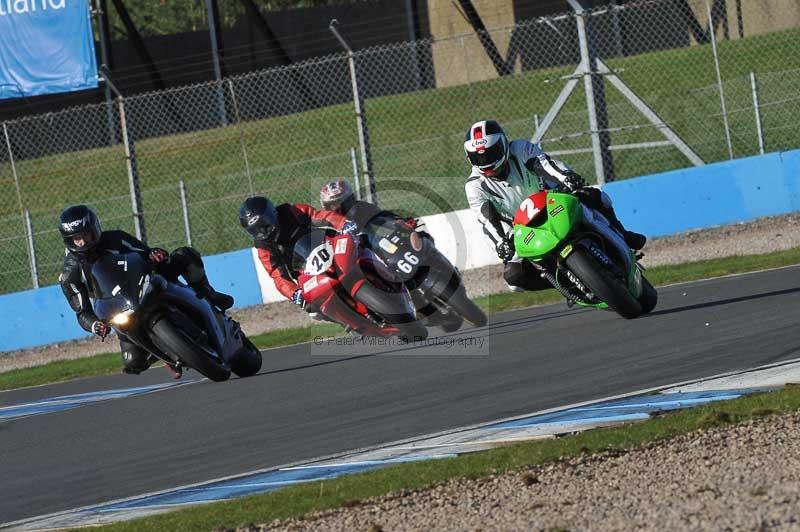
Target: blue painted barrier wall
{"points": [[657, 205], [42, 316], [715, 194]]}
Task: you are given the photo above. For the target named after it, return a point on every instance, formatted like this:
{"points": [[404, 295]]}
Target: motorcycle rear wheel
{"points": [[463, 305], [603, 284], [247, 361], [393, 307], [412, 331], [649, 298]]}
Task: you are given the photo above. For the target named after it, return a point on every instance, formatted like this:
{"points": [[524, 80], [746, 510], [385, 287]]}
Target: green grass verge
{"points": [[109, 363], [298, 500], [291, 156], [62, 370]]}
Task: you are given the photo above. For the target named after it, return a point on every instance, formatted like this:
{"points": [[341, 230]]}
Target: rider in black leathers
{"points": [[337, 196], [85, 243]]}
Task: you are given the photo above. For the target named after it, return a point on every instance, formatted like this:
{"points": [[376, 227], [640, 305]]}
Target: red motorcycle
{"points": [[350, 285]]}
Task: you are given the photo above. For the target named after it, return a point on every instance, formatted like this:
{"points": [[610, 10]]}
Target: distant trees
{"points": [[160, 17]]}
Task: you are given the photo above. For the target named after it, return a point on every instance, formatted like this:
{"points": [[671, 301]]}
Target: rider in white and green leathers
{"points": [[504, 174]]}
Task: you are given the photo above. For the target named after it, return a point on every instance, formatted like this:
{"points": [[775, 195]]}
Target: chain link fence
{"points": [[616, 92]]}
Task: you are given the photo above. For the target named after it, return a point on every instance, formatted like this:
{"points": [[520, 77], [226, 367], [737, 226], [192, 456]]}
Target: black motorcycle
{"points": [[168, 319], [434, 283]]}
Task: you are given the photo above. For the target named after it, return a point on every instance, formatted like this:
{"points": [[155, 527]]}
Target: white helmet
{"points": [[336, 196], [486, 146]]}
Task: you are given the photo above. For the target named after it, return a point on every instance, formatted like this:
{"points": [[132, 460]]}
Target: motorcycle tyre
{"points": [[649, 297], [467, 308], [247, 361], [176, 341], [605, 286]]}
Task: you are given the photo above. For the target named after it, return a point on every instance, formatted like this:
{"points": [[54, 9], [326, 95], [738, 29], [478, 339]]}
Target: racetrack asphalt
{"points": [[311, 400]]}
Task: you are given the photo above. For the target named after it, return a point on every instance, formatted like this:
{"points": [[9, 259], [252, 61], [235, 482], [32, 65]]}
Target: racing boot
{"points": [[205, 291], [635, 241], [176, 370], [596, 199]]}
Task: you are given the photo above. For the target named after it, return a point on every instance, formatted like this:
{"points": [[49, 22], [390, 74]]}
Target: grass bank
{"points": [[108, 363]]}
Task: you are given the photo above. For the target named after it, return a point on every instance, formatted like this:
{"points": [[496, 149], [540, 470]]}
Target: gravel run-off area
{"points": [[760, 236], [742, 477]]}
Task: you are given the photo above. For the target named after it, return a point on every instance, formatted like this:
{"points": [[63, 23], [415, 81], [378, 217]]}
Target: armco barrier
{"points": [[657, 205]]}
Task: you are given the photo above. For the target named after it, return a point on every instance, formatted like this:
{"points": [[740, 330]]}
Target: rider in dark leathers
{"points": [[85, 243], [275, 230], [337, 196]]}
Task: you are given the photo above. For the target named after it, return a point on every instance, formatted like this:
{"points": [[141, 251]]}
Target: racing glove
{"points": [[100, 329], [505, 251], [411, 223], [158, 256], [349, 228], [298, 299], [574, 182]]}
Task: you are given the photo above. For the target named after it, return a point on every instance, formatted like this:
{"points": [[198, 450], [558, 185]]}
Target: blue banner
{"points": [[46, 46]]}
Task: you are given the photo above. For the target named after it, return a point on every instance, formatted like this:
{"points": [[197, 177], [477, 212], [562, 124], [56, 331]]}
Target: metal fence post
{"points": [[213, 26], [22, 212], [31, 249], [589, 74], [130, 159], [101, 17], [361, 119], [712, 33], [616, 29], [185, 207], [356, 180], [241, 137], [412, 39], [757, 109]]}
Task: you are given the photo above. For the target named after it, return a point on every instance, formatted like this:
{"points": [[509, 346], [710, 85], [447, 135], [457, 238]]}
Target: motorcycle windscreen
{"points": [[391, 241], [380, 227], [310, 252], [116, 282]]}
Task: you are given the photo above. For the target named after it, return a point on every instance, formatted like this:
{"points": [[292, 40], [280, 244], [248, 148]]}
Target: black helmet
{"points": [[79, 223], [259, 218]]}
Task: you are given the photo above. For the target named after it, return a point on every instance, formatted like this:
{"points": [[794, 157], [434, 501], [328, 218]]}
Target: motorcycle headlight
{"points": [[123, 318]]}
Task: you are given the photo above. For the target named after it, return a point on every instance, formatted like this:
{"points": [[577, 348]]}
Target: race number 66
{"points": [[407, 263]]}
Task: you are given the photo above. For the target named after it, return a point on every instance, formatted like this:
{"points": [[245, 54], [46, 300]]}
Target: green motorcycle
{"points": [[581, 255]]}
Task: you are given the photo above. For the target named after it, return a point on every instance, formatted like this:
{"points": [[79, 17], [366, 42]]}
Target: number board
{"points": [[320, 259]]}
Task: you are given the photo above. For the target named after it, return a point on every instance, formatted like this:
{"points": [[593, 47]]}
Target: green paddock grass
{"points": [[291, 156], [110, 363], [296, 501]]}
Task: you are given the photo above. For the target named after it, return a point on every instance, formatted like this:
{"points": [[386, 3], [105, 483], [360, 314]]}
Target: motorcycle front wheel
{"points": [[603, 284], [173, 340]]}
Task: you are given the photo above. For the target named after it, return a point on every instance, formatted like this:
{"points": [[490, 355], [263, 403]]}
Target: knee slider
{"points": [[514, 273], [135, 359]]}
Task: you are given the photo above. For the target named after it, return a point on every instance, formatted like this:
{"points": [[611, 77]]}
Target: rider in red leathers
{"points": [[275, 230]]}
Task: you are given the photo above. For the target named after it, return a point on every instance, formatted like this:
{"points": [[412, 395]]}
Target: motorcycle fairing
{"points": [[547, 226]]}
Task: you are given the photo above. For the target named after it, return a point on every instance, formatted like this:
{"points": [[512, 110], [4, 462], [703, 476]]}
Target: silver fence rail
{"points": [[625, 90]]}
